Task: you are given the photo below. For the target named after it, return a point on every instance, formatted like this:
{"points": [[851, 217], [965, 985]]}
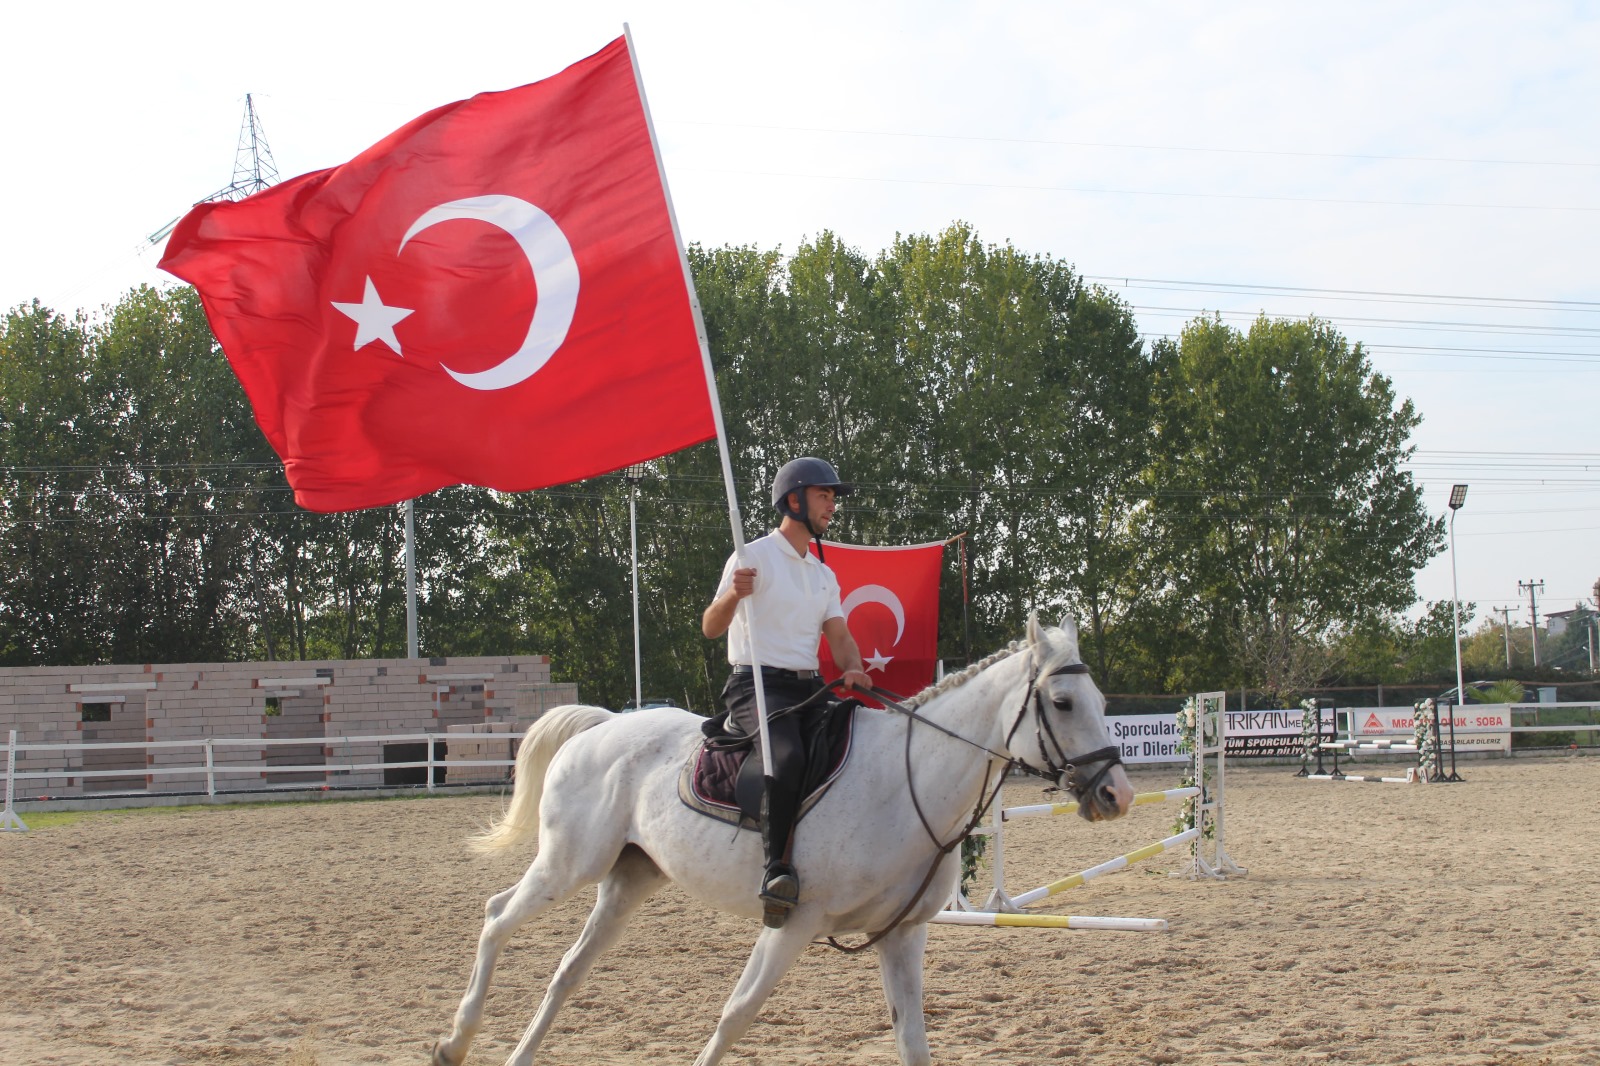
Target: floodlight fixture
{"points": [[1458, 496]]}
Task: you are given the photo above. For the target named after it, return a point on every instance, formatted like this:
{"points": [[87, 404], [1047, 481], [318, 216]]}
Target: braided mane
{"points": [[961, 677]]}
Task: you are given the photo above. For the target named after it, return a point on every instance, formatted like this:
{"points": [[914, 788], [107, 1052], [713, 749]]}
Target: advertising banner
{"points": [[1483, 726], [1153, 738], [1146, 738]]}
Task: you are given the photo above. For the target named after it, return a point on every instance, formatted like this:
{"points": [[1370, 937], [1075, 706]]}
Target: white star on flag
{"points": [[375, 321], [878, 661]]}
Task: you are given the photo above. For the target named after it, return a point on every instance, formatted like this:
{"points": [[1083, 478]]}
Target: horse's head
{"points": [[1060, 728]]}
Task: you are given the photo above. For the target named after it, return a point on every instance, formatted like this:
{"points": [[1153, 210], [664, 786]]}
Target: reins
{"points": [[1063, 774]]}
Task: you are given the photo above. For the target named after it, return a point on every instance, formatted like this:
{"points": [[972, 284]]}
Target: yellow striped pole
{"points": [[1069, 808], [1119, 863], [1048, 921]]}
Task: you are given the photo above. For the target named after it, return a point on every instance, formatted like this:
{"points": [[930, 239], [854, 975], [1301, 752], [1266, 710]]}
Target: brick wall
{"points": [[322, 703]]}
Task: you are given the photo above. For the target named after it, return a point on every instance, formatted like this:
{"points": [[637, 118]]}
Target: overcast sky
{"points": [[1425, 175]]}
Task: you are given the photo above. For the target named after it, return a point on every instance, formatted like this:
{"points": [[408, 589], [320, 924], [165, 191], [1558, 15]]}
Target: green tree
{"points": [[1280, 506], [48, 441]]}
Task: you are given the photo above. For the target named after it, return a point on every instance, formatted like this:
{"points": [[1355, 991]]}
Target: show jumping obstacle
{"points": [[999, 901], [1210, 859], [1427, 744], [1208, 767]]}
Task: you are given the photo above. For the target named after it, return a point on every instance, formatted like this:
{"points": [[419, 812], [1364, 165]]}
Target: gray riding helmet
{"points": [[799, 474]]}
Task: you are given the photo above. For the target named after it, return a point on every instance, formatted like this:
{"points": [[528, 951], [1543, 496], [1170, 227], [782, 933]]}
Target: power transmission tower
{"points": [[1533, 589], [253, 166]]}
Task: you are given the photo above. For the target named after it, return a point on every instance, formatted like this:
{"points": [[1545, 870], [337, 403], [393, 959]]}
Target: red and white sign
{"points": [[1480, 726], [492, 295], [891, 604]]}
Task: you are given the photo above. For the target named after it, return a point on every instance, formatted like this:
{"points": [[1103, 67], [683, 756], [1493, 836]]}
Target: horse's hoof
{"points": [[437, 1058]]}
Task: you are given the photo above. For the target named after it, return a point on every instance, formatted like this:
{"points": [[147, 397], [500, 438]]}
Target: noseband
{"points": [[1068, 772]]}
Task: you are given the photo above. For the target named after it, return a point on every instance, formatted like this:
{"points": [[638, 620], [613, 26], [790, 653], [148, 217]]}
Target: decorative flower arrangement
{"points": [[1310, 733], [1424, 715], [1188, 721], [974, 857]]}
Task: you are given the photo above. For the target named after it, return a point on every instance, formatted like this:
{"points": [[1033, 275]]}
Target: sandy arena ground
{"points": [[1378, 924]]}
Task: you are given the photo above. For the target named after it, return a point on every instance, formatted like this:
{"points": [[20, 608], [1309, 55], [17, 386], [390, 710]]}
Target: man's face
{"points": [[821, 505]]}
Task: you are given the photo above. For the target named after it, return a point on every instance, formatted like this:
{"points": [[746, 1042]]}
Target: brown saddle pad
{"points": [[709, 779]]}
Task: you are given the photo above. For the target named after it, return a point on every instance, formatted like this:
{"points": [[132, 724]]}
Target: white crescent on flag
{"points": [[878, 594]]}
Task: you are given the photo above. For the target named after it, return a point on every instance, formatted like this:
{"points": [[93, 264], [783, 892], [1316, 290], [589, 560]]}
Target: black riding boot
{"points": [[780, 884]]}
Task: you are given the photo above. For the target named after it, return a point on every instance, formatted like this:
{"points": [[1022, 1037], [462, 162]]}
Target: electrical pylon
{"points": [[253, 166]]}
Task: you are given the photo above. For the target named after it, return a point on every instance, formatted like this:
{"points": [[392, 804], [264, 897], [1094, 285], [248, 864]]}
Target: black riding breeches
{"points": [[788, 745]]}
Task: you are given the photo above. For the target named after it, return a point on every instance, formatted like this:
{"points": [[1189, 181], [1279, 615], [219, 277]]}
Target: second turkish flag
{"points": [[891, 604], [492, 295]]}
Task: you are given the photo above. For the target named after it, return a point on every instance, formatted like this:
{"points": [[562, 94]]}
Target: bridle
{"points": [[1065, 772]]}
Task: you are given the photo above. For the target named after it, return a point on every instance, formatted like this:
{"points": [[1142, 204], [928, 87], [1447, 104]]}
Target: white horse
{"points": [[603, 791]]}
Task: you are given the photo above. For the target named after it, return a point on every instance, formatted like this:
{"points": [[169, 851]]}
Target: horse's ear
{"points": [[1035, 631], [1070, 628]]}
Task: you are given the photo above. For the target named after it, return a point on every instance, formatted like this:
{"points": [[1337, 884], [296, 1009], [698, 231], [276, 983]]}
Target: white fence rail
{"points": [[215, 773]]}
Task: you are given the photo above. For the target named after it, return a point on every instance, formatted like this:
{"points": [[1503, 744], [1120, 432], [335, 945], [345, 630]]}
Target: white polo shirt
{"points": [[794, 595]]}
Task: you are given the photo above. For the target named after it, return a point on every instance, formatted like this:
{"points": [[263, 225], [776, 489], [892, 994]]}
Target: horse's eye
{"points": [[1063, 704]]}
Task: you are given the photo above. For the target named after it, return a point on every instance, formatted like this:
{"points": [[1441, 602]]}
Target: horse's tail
{"points": [[539, 745]]}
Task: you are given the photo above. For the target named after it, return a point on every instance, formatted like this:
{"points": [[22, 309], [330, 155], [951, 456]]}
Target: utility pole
{"points": [[1533, 589], [1505, 627]]}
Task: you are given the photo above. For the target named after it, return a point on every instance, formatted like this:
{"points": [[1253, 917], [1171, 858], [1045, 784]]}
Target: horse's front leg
{"points": [[900, 956], [776, 950]]}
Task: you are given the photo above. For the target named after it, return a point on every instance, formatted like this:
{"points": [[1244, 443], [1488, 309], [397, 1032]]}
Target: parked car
{"points": [[649, 701]]}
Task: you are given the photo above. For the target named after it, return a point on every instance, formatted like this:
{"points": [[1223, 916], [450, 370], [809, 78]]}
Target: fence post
{"points": [[429, 738], [9, 821], [211, 768]]}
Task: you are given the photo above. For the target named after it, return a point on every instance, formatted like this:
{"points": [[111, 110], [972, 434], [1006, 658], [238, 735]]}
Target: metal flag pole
{"points": [[632, 476], [734, 519], [411, 580]]}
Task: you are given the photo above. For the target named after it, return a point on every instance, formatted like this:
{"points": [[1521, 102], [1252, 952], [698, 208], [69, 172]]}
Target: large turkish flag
{"points": [[891, 604], [492, 295]]}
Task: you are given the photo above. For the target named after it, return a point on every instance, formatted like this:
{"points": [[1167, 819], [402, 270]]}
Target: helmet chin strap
{"points": [[805, 518]]}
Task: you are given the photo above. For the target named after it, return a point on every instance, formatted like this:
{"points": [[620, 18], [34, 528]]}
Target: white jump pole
{"points": [[1121, 862], [1409, 779], [1071, 808], [10, 822], [1048, 921], [1397, 747], [998, 899]]}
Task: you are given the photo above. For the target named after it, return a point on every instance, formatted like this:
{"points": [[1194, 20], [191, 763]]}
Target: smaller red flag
{"points": [[891, 604]]}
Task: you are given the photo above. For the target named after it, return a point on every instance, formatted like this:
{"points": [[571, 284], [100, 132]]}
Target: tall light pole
{"points": [[1458, 496], [633, 475]]}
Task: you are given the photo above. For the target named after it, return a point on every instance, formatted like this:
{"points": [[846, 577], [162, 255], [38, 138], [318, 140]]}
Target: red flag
{"points": [[891, 603], [492, 295]]}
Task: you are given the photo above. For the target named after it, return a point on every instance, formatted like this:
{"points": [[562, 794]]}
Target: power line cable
{"points": [[1303, 291]]}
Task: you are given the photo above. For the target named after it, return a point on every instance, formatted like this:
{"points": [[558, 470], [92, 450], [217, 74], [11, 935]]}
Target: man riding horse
{"points": [[792, 599]]}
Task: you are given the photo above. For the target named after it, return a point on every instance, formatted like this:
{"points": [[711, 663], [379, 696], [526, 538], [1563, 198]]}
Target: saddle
{"points": [[722, 780]]}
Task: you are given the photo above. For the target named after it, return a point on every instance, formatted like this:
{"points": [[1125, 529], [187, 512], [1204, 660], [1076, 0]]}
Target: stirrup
{"points": [[780, 892]]}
